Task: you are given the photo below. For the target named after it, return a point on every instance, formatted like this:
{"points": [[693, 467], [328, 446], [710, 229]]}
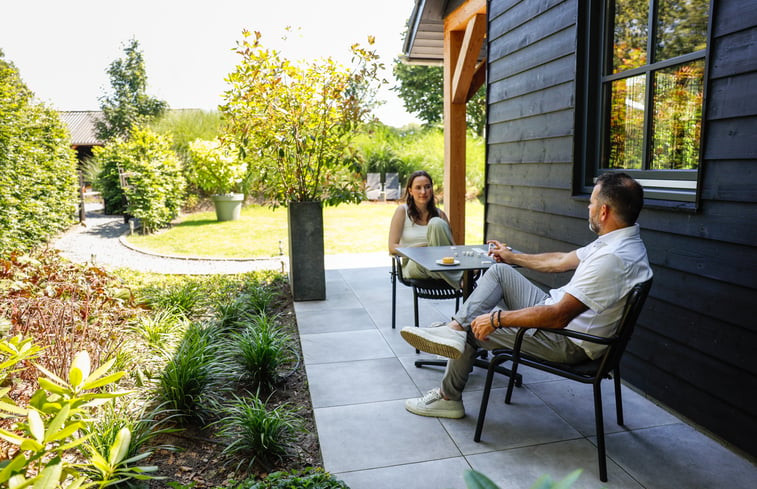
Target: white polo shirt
{"points": [[609, 268]]}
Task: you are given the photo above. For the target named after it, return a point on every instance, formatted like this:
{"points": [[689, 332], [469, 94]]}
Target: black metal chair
{"points": [[591, 372], [436, 289]]}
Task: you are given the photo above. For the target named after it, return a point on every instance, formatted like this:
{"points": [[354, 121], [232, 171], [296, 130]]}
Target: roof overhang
{"points": [[424, 43]]}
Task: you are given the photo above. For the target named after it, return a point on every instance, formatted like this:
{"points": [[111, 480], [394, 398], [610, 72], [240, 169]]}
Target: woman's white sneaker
{"points": [[443, 341], [433, 404]]}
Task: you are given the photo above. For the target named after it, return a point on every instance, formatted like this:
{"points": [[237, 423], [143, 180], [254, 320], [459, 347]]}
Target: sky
{"points": [[62, 49]]}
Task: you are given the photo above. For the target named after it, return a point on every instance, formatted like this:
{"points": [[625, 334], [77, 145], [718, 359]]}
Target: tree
{"points": [[129, 105], [294, 121], [421, 89]]}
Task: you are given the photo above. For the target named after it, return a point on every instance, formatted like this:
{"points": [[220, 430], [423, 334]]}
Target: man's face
{"points": [[594, 207]]}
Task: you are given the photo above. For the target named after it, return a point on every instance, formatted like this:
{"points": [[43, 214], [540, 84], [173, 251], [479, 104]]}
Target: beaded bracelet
{"points": [[491, 320]]}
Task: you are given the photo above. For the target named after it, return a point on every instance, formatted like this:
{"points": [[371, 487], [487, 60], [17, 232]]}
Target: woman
{"points": [[418, 222]]}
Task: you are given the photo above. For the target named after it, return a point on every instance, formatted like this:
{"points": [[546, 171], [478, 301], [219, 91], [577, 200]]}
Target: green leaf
{"points": [[36, 425], [33, 445], [65, 432], [18, 463], [568, 480], [120, 447], [50, 375], [18, 481], [57, 422], [94, 383], [51, 386], [99, 372], [49, 478], [80, 368], [75, 442], [11, 437], [477, 480], [12, 408]]}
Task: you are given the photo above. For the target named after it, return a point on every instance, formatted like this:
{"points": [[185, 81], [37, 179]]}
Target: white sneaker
{"points": [[446, 342], [433, 404]]}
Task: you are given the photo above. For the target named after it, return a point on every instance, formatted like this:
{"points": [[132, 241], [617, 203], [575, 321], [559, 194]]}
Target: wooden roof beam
{"points": [[475, 31], [458, 20], [479, 77]]}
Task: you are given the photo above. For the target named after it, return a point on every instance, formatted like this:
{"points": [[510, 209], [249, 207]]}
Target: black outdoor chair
{"points": [[422, 289], [591, 372]]}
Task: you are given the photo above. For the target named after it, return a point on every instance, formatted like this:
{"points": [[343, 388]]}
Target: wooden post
{"points": [[454, 140]]}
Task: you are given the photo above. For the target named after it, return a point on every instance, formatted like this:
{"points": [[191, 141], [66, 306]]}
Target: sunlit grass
{"points": [[262, 232]]}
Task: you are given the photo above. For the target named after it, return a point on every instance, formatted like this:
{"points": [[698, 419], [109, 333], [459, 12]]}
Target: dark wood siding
{"points": [[694, 346]]}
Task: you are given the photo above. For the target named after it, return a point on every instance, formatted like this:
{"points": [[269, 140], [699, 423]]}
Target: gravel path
{"points": [[99, 242]]}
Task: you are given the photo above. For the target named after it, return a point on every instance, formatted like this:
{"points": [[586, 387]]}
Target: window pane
{"points": [[677, 124], [626, 144], [681, 27], [630, 33]]}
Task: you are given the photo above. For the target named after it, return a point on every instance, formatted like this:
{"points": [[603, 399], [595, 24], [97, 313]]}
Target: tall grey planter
{"points": [[307, 276]]}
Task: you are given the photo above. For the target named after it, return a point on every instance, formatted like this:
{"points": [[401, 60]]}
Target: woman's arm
{"points": [[396, 227]]}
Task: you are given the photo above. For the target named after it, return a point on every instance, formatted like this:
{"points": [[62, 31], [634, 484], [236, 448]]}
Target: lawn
{"points": [[262, 232]]}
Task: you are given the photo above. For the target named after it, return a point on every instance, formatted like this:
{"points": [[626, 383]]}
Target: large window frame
{"points": [[665, 188]]}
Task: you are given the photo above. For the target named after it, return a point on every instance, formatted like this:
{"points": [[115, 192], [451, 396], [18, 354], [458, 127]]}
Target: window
{"points": [[649, 90]]}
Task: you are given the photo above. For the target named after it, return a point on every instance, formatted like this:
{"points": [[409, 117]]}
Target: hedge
{"points": [[38, 179]]}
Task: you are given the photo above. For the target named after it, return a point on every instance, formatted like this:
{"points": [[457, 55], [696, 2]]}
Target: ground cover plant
{"points": [[204, 372], [262, 232]]}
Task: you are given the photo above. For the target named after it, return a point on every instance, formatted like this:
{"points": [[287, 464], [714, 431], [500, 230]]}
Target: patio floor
{"points": [[360, 372]]}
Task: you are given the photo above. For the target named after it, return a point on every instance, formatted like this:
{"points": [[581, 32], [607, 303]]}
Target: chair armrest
{"points": [[573, 334]]}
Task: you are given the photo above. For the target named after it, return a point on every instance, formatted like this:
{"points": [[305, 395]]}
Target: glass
{"points": [[626, 135], [677, 124], [630, 33], [681, 27]]}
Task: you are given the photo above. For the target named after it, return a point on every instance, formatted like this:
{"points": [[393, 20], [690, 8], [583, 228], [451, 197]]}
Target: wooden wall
{"points": [[694, 349]]}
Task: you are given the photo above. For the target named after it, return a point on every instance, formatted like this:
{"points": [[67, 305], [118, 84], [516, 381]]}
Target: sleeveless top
{"points": [[413, 234]]}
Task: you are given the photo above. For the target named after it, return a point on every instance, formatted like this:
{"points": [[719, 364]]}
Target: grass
{"points": [[262, 232]]}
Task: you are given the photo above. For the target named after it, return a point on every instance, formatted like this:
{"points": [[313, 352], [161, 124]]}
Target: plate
{"points": [[439, 262]]}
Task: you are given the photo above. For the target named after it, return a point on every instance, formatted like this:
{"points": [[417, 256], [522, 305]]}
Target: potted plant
{"points": [[216, 170], [297, 120]]}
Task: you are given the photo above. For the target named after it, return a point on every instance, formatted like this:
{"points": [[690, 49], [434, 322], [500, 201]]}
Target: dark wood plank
{"points": [[730, 180], [692, 400], [530, 22], [541, 126], [734, 54], [550, 99], [503, 85], [710, 336], [732, 97], [734, 15], [726, 262], [729, 139], [553, 47], [559, 149], [555, 175]]}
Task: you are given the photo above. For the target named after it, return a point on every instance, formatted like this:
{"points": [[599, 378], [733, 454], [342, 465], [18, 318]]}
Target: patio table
{"points": [[468, 259]]}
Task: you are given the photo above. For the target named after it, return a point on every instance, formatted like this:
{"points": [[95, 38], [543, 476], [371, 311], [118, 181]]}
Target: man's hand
{"points": [[500, 252], [482, 327]]}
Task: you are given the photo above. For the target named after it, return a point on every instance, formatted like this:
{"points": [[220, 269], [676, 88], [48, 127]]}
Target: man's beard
{"points": [[594, 227]]}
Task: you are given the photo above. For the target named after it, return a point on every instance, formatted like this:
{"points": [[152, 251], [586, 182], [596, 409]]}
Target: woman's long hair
{"points": [[412, 209]]}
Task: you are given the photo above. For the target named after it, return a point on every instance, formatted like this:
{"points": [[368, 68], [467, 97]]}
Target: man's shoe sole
{"points": [[437, 347]]}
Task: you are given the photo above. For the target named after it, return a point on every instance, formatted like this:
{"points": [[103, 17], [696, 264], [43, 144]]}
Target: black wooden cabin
{"points": [[547, 138]]}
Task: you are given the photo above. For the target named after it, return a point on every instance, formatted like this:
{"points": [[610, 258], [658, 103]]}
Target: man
{"points": [[605, 272]]}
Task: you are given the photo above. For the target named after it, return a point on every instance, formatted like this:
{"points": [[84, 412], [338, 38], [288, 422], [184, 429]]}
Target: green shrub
{"points": [[38, 180], [48, 433], [309, 478], [385, 149], [256, 433], [191, 379], [155, 186], [184, 126], [186, 298], [260, 351]]}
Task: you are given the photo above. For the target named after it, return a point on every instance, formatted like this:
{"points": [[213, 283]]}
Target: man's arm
{"points": [[541, 262], [552, 316]]}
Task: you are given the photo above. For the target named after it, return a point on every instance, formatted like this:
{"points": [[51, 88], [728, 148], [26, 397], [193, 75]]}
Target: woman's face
{"points": [[421, 190]]}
